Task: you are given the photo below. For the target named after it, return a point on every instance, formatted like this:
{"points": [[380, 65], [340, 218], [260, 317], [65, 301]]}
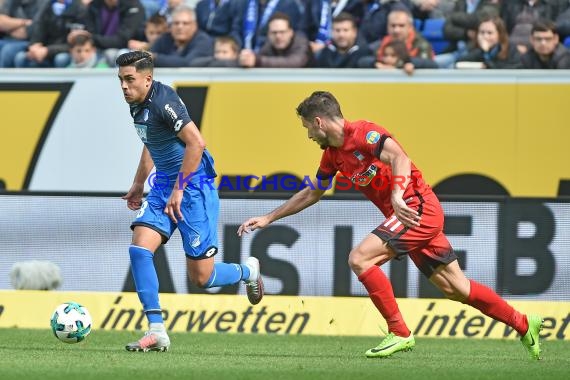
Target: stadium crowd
{"points": [[375, 34]]}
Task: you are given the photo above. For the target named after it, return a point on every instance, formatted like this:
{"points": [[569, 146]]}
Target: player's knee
{"points": [[354, 259], [200, 280], [452, 293], [358, 262]]}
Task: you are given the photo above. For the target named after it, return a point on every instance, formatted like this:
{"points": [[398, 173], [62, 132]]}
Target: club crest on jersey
{"points": [[146, 112], [358, 155], [170, 111], [372, 137]]}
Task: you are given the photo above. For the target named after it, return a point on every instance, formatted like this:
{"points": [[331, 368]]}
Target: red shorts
{"points": [[426, 245]]}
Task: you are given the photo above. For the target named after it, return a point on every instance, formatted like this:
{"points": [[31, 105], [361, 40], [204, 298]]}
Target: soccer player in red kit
{"points": [[372, 159]]}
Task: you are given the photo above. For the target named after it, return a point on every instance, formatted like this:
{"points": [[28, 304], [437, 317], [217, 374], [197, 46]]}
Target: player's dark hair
{"points": [[320, 103], [141, 60]]}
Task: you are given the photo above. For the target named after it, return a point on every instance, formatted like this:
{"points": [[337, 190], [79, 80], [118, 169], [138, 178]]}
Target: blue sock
{"points": [[146, 282], [227, 274]]}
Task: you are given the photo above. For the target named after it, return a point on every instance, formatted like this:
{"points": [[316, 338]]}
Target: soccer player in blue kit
{"points": [[173, 144]]}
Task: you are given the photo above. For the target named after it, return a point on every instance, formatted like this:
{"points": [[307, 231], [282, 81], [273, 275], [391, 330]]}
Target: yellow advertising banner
{"points": [[506, 134], [354, 316], [511, 134]]}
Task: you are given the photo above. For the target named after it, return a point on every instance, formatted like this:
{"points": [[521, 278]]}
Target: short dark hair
{"points": [[400, 50], [141, 60], [157, 19], [80, 40], [345, 16], [280, 16], [228, 40], [543, 26], [320, 103]]}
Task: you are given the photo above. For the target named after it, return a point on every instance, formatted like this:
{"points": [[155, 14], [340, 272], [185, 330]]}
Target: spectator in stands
{"points": [[519, 15], [48, 42], [424, 9], [155, 27], [226, 54], [546, 52], [396, 57], [421, 9], [168, 9], [15, 27], [215, 17], [493, 50], [184, 43], [563, 23], [343, 51], [317, 19], [283, 47], [84, 53], [152, 7], [252, 16], [401, 28], [460, 28], [373, 25], [111, 24]]}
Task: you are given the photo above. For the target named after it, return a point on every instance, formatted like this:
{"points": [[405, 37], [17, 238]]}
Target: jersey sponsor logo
{"points": [[170, 111], [364, 178], [141, 131], [372, 137]]}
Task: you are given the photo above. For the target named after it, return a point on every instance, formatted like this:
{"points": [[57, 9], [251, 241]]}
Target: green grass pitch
{"points": [[37, 354]]}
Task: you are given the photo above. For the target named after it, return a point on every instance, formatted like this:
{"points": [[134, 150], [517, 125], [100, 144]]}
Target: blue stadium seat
{"points": [[418, 24], [433, 32], [567, 42]]}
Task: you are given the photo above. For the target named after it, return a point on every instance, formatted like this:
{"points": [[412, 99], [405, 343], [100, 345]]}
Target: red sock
{"points": [[489, 303], [380, 291]]}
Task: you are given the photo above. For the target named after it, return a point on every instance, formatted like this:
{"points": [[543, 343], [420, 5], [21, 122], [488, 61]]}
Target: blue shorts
{"points": [[199, 229]]}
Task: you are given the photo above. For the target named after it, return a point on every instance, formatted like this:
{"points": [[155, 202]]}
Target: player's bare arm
{"points": [[401, 164], [135, 194], [298, 202], [195, 145]]}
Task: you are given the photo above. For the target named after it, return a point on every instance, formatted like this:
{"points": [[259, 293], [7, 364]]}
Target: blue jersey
{"points": [[158, 119]]}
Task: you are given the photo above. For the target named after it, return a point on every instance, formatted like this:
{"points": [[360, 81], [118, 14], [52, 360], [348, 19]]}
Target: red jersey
{"points": [[358, 160]]}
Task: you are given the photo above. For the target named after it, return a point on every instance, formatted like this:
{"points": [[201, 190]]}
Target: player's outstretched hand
{"points": [[134, 197], [172, 208], [252, 224], [408, 216]]}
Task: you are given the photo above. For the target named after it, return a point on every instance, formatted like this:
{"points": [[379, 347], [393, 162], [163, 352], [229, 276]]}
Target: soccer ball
{"points": [[71, 322]]}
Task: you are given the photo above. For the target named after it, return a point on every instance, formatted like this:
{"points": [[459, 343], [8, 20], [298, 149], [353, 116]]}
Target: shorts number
{"points": [[143, 207]]}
